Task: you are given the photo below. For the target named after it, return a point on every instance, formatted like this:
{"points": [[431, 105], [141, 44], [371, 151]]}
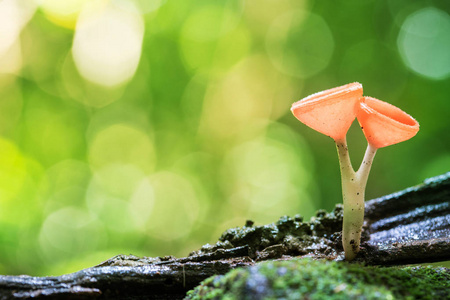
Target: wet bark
{"points": [[410, 226]]}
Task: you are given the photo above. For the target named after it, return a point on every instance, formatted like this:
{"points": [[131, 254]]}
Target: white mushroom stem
{"points": [[353, 188]]}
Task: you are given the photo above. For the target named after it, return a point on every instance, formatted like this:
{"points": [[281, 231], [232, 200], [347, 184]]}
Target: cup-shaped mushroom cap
{"points": [[384, 124], [330, 112]]}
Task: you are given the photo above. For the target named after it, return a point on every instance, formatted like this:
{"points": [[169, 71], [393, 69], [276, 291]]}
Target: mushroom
{"points": [[384, 124], [332, 112]]}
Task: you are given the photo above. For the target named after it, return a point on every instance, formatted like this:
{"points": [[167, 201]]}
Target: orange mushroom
{"points": [[384, 124], [332, 112]]}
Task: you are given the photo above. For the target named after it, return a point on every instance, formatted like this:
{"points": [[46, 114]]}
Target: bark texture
{"points": [[410, 226]]}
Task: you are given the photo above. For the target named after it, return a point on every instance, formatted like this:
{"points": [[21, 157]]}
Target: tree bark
{"points": [[410, 226]]}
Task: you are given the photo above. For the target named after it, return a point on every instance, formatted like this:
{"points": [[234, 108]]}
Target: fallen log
{"points": [[410, 226]]}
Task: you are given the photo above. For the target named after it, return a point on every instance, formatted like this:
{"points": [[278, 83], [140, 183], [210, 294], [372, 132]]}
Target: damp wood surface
{"points": [[406, 227]]}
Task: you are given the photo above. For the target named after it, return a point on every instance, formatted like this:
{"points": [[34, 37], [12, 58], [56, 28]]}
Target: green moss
{"points": [[321, 235], [318, 279]]}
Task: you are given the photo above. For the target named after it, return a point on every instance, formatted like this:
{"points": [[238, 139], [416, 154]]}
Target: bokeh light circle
{"points": [[144, 6], [9, 16], [70, 231], [212, 39], [13, 16], [107, 44], [109, 193], [268, 176], [424, 43], [176, 206], [300, 43], [141, 204], [86, 92], [122, 143], [209, 23], [240, 105], [63, 13], [64, 184]]}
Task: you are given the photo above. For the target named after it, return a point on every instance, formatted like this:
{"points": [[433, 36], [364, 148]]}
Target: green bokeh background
{"points": [[170, 124]]}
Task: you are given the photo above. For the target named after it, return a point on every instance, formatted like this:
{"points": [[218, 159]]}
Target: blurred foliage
{"points": [[149, 127]]}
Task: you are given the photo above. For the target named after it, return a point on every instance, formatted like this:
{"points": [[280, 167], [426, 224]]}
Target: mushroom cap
{"points": [[384, 124], [330, 112]]}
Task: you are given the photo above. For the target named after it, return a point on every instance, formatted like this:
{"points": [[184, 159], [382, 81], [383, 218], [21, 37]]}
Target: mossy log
{"points": [[410, 226], [319, 279]]}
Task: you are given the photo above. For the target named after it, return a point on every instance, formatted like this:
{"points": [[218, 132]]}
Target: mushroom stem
{"points": [[366, 164], [353, 190]]}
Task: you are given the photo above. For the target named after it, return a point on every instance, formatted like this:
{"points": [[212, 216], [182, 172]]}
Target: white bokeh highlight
{"points": [[14, 15], [107, 44]]}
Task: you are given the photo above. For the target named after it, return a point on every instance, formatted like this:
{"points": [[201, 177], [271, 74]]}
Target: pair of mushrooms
{"points": [[331, 112]]}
